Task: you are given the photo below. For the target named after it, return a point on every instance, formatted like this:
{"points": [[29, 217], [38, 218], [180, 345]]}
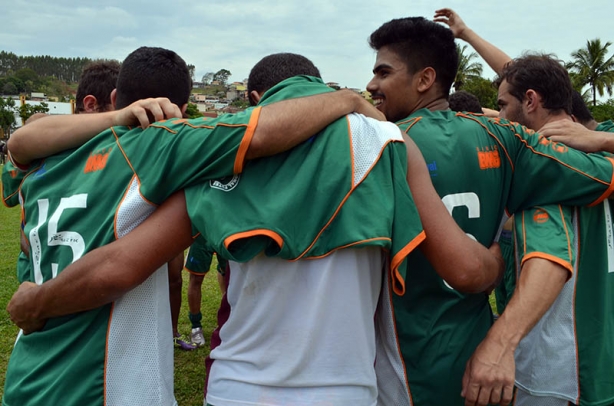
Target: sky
{"points": [[235, 34]]}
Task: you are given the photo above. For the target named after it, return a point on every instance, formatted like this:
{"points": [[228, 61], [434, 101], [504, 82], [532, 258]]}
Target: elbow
{"points": [[15, 147], [472, 276]]}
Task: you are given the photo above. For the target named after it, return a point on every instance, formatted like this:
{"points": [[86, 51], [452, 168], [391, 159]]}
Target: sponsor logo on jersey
{"points": [[13, 174], [97, 160], [225, 184], [432, 167], [488, 157], [540, 216]]}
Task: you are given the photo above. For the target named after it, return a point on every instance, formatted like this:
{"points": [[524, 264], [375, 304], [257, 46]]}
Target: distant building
{"points": [[38, 97]]}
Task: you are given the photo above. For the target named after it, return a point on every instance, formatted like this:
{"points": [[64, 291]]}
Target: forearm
{"points": [[286, 124], [105, 274], [54, 134], [539, 285], [494, 57]]}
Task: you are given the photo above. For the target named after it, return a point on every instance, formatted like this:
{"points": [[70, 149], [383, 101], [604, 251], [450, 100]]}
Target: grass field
{"points": [[189, 366]]}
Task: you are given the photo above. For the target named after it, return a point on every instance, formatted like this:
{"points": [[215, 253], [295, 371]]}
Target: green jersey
{"points": [[505, 289], [357, 166], [480, 167], [85, 198], [579, 326], [607, 126], [11, 183]]}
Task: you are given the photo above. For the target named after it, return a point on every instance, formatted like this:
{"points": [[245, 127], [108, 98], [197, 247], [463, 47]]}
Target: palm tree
{"points": [[593, 67], [467, 69]]}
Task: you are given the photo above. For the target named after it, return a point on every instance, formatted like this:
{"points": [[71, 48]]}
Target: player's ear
{"points": [[426, 79], [532, 100], [90, 104], [113, 98], [183, 109], [254, 97]]}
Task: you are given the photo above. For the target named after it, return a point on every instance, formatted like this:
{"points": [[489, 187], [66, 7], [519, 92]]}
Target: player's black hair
{"points": [[579, 109], [275, 68], [153, 72], [420, 43], [542, 73], [98, 79], [464, 101]]}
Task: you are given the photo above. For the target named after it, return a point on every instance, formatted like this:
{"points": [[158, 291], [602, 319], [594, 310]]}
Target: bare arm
{"points": [[577, 136], [490, 372], [105, 274], [286, 124], [52, 134], [281, 125], [465, 264], [494, 57]]}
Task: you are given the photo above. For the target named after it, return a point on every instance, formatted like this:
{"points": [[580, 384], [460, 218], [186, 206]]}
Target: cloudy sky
{"points": [[235, 34]]}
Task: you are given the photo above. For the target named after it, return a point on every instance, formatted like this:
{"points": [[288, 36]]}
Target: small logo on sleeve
{"points": [[488, 157], [540, 216], [97, 160]]}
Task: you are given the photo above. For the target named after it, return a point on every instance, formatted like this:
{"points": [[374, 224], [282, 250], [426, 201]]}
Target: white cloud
{"points": [[235, 34]]}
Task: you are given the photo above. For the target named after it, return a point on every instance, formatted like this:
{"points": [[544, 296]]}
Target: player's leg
{"points": [[194, 299], [174, 284]]}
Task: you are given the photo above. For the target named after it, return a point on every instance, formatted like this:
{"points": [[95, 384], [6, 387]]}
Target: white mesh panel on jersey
{"points": [[389, 367], [546, 359], [132, 211], [525, 399], [369, 136], [139, 365]]}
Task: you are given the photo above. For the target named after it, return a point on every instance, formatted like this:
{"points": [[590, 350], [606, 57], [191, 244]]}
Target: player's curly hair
{"points": [[542, 73]]}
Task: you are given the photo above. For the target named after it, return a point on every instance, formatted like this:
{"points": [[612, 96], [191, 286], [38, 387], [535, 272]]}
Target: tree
{"points": [[603, 111], [192, 111], [484, 90], [222, 76], [467, 69], [9, 88], [7, 116], [593, 67], [207, 78], [27, 110], [191, 69]]}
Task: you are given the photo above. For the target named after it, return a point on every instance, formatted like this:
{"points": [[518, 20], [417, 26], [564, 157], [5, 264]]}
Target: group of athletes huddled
{"points": [[362, 240]]}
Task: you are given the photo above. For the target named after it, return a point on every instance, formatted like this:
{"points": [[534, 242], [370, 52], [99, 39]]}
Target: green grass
{"points": [[189, 366]]}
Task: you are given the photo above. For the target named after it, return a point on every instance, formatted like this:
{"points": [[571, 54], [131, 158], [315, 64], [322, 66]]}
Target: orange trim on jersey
{"points": [[106, 353], [347, 196], [247, 140], [399, 285], [345, 246], [608, 192], [4, 201], [551, 258], [252, 233], [415, 120], [119, 145], [399, 353], [569, 252]]}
